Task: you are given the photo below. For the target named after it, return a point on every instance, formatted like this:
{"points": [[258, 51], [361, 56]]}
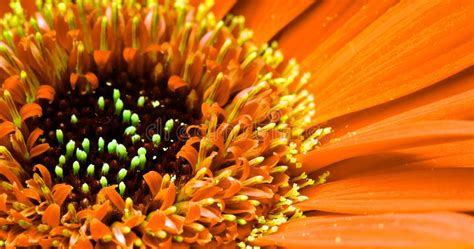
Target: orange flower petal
{"points": [[101, 58], [457, 154], [388, 138], [172, 225], [150, 241], [101, 212], [29, 6], [153, 180], [134, 221], [458, 106], [46, 243], [193, 213], [38, 150], [432, 230], [221, 8], [51, 215], [175, 82], [45, 92], [4, 8], [453, 154], [189, 153], [32, 194], [169, 197], [114, 197], [119, 235], [3, 202], [261, 192], [6, 127], [129, 54], [230, 187], [61, 192], [157, 221], [17, 216], [34, 135], [16, 89], [98, 229], [11, 177], [390, 56], [23, 240], [449, 99], [93, 80], [327, 26], [44, 174], [398, 190], [83, 243], [205, 192], [74, 79], [266, 17], [30, 110]]}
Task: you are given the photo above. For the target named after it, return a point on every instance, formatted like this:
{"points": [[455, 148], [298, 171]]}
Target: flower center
{"points": [[115, 134], [163, 124]]}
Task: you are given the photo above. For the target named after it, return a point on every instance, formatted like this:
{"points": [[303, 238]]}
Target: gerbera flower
{"points": [[172, 124]]}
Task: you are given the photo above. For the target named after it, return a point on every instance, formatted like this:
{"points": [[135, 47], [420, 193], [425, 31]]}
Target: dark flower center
{"points": [[115, 134]]}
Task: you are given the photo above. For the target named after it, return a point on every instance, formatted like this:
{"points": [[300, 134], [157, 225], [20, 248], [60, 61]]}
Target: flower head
{"points": [[147, 125], [169, 124]]}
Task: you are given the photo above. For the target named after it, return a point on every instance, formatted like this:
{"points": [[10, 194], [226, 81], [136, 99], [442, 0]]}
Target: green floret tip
{"points": [[118, 106], [59, 171], [62, 160], [103, 181], [86, 145], [142, 161], [60, 136], [105, 168], [122, 188], [81, 155], [90, 170], [121, 174], [122, 151], [135, 138], [135, 162], [116, 95], [85, 188], [126, 114], [76, 167], [130, 130], [141, 101], [169, 125], [141, 151], [73, 119], [70, 146], [135, 119], [101, 103], [112, 146], [156, 139], [101, 144], [155, 103]]}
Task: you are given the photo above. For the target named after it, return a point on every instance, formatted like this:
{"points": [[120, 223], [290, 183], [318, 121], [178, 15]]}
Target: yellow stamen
{"points": [[7, 97], [103, 34], [184, 39], [135, 23]]}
